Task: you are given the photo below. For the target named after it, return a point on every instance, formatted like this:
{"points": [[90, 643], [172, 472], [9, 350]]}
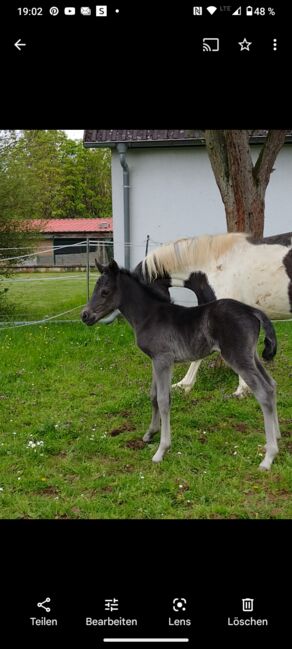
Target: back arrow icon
{"points": [[19, 44]]}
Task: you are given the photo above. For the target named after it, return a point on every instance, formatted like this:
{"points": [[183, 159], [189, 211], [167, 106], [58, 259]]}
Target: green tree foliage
{"points": [[68, 181], [16, 198], [45, 175]]}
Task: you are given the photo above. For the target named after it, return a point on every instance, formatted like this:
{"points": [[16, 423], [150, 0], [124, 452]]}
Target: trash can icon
{"points": [[247, 604]]}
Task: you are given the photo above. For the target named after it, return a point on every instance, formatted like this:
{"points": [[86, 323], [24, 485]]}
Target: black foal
{"points": [[169, 333]]}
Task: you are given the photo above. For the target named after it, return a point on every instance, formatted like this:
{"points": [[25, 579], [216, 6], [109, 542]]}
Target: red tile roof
{"points": [[75, 225]]}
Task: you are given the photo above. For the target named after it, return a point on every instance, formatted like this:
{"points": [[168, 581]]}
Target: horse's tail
{"points": [[270, 338]]}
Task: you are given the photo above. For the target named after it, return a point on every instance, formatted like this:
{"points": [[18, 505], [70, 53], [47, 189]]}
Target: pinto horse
{"points": [[169, 333], [232, 265]]}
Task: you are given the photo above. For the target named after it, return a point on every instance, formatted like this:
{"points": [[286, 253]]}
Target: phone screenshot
{"points": [[145, 324]]}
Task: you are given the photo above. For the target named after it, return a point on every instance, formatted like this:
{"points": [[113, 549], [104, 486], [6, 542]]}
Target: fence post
{"points": [[87, 267]]}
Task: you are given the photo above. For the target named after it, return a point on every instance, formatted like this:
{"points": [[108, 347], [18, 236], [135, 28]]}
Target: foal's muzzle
{"points": [[88, 317]]}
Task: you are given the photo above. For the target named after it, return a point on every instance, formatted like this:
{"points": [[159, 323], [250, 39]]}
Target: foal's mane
{"points": [[150, 289], [183, 253]]}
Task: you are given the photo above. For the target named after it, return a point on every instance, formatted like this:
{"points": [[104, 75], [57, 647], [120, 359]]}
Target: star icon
{"points": [[244, 45]]}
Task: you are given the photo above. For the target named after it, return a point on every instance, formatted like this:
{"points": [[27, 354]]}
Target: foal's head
{"points": [[105, 297]]}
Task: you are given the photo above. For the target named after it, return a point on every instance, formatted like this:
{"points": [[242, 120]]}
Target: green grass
{"points": [[74, 407], [33, 296]]}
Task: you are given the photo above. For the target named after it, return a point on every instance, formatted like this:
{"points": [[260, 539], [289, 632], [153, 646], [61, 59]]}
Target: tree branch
{"points": [[269, 151], [217, 152]]}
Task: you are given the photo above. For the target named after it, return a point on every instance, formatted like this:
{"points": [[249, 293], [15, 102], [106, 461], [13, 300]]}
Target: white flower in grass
{"points": [[32, 444]]}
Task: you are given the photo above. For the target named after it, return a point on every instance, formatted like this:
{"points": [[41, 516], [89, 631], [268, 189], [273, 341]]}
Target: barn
{"points": [[64, 242]]}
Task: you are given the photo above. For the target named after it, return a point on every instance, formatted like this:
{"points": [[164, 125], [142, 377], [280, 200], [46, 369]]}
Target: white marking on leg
{"points": [[242, 390], [189, 379]]}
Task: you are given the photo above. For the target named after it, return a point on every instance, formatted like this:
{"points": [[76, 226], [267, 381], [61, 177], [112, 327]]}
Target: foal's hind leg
{"points": [[155, 421], [273, 384], [263, 388]]}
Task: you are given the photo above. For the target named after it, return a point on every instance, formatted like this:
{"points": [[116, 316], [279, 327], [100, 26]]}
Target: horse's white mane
{"points": [[183, 253]]}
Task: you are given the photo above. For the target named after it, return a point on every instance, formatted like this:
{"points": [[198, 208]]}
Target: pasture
{"points": [[74, 405]]}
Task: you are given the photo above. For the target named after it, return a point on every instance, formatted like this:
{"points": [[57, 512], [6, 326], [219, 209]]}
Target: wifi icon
{"points": [[211, 10]]}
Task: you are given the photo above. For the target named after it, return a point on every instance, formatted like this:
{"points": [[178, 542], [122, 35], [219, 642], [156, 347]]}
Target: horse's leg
{"points": [[189, 379], [273, 383], [264, 391], [242, 389], [155, 421], [163, 373]]}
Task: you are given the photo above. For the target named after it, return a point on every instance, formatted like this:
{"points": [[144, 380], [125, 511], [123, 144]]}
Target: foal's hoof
{"points": [[148, 437], [158, 457], [264, 467]]}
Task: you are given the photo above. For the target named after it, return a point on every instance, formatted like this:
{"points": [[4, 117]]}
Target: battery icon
{"points": [[249, 11]]}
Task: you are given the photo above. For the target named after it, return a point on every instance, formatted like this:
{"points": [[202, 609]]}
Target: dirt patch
{"points": [[122, 429], [49, 491], [107, 489], [241, 427], [135, 444], [202, 438], [286, 433], [182, 485], [63, 516]]}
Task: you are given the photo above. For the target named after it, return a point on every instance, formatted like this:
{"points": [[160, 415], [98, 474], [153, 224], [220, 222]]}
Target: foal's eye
{"points": [[104, 292]]}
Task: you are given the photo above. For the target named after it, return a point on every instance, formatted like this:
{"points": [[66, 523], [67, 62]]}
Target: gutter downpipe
{"points": [[122, 150]]}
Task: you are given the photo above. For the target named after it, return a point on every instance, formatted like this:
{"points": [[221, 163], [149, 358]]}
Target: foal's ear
{"points": [[99, 266], [113, 266]]}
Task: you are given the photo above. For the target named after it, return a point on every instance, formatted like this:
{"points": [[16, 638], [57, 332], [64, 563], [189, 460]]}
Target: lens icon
{"points": [[54, 11]]}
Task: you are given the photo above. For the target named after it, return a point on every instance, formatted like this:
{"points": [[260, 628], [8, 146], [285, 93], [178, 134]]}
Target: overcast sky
{"points": [[75, 135]]}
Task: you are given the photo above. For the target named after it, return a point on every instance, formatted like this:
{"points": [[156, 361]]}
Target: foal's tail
{"points": [[270, 338]]}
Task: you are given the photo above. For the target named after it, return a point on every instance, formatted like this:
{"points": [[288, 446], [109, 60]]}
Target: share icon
{"points": [[41, 604]]}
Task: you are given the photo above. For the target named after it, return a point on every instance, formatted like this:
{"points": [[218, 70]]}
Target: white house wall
{"points": [[173, 194]]}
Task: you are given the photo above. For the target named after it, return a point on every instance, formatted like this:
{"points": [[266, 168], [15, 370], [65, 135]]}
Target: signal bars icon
{"points": [[237, 12]]}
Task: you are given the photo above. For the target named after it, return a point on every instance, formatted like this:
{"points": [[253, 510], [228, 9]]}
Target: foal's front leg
{"points": [[155, 421], [163, 371]]}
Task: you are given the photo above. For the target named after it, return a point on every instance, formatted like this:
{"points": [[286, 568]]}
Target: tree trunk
{"points": [[243, 184]]}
